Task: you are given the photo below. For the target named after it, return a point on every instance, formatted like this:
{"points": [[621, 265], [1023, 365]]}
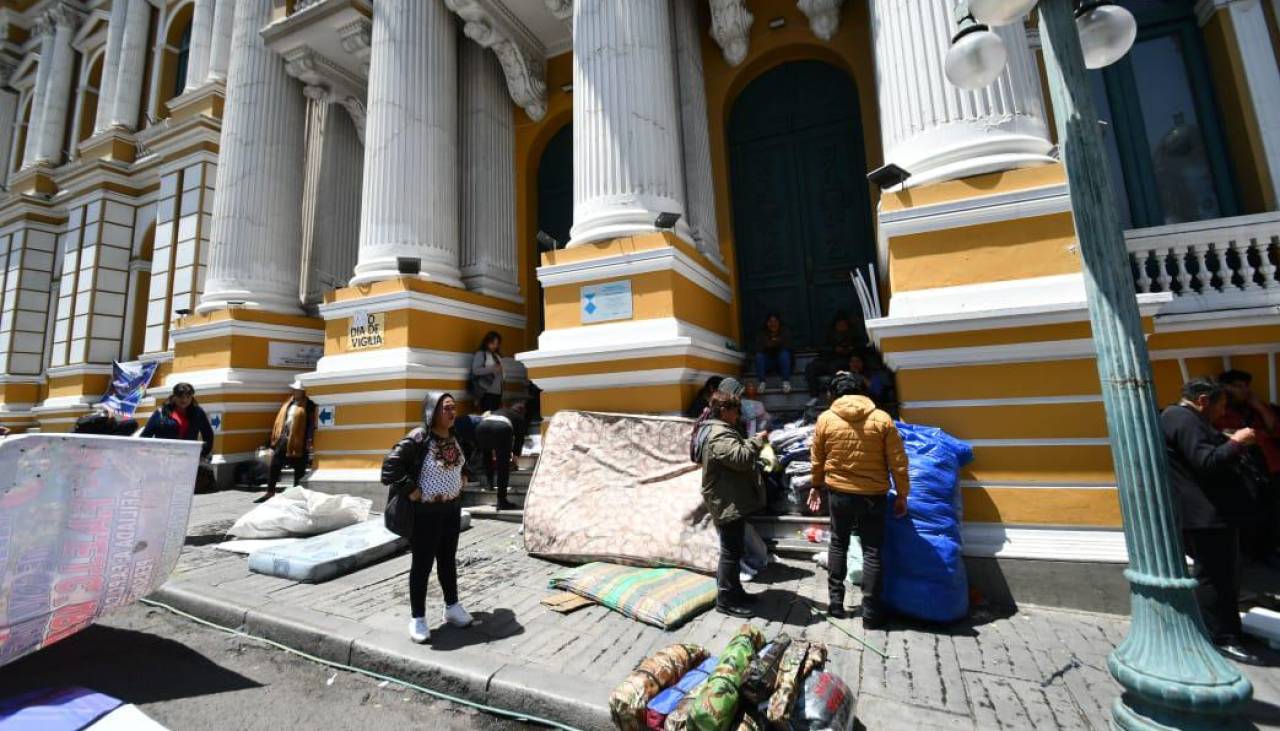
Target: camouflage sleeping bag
{"points": [[799, 660], [716, 703], [627, 702]]}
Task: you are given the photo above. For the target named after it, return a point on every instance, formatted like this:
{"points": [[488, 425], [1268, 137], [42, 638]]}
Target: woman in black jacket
{"points": [[425, 467], [180, 417]]}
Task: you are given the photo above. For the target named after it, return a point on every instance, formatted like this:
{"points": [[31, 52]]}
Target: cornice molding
{"points": [[731, 29]]}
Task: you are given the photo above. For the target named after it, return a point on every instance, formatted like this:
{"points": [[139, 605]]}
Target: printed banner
{"points": [[129, 382], [87, 524]]}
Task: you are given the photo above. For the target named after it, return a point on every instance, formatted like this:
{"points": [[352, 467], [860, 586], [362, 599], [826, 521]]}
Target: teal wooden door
{"points": [[801, 205]]}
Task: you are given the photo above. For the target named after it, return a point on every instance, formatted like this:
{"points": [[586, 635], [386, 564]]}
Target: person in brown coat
{"points": [[291, 438], [856, 448]]}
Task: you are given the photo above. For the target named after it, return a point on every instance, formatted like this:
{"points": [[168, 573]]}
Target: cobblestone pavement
{"points": [[1035, 668]]}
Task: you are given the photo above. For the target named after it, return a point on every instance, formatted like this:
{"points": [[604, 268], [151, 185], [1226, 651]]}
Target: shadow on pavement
{"points": [[498, 624], [135, 667]]}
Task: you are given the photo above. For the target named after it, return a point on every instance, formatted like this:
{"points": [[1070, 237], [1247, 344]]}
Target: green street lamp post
{"points": [[1171, 675]]}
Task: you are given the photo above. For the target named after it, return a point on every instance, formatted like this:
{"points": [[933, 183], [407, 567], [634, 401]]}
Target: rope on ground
{"points": [[515, 715], [851, 635]]}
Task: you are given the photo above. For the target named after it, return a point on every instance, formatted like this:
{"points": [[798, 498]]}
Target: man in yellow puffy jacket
{"points": [[856, 448]]}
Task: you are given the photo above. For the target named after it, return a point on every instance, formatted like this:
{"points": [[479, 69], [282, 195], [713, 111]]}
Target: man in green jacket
{"points": [[731, 490]]}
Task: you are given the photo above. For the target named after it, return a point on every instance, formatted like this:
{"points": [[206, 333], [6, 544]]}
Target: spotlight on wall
{"points": [[777, 23], [408, 265], [236, 303], [888, 176], [183, 312], [566, 88], [666, 221], [547, 242]]}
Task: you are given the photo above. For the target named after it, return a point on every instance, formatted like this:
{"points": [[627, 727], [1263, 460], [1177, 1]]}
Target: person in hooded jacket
{"points": [[732, 489], [856, 448], [426, 468]]}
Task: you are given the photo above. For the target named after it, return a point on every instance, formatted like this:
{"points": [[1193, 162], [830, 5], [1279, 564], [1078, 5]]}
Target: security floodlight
{"points": [[184, 311], [888, 176], [547, 242], [236, 303], [666, 221], [408, 265]]}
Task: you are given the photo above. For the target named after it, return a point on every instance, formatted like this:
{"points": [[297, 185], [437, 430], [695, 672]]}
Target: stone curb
{"points": [[476, 676]]}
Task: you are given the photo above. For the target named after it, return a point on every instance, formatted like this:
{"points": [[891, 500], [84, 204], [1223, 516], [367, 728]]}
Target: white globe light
{"points": [[975, 59], [1000, 12], [1107, 33]]}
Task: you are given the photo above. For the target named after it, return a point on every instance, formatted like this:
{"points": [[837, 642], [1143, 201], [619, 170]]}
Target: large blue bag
{"points": [[922, 565]]}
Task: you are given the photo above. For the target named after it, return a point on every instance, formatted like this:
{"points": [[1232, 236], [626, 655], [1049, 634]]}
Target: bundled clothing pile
{"points": [[752, 685], [789, 488]]}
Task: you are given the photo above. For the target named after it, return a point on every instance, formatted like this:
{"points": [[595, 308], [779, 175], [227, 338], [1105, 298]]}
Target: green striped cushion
{"points": [[666, 598]]}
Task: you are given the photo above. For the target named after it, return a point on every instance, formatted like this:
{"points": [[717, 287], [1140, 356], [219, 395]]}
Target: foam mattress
{"points": [[330, 555]]}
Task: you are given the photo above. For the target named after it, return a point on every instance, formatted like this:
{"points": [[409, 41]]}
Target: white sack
{"points": [[300, 512]]}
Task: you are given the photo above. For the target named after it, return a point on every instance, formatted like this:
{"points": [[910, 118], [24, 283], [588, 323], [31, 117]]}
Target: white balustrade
{"points": [[1220, 263]]}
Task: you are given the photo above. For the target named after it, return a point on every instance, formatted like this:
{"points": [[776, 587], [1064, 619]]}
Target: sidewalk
{"points": [[1037, 669]]}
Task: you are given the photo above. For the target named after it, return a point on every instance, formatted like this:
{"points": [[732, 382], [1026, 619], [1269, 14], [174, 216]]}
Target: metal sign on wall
{"points": [[606, 302], [367, 330], [298, 356]]}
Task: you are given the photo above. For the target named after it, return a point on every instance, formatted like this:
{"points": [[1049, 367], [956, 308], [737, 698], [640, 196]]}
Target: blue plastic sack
{"points": [[922, 564]]}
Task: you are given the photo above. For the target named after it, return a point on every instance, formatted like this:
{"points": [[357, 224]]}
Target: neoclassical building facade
{"points": [[352, 193]]}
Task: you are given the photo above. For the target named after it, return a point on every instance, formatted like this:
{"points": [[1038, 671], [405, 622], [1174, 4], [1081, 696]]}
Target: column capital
{"points": [[561, 9], [61, 15], [517, 50], [823, 15]]}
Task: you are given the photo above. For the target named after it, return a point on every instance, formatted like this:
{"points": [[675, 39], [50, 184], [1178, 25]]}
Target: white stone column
{"points": [[409, 199], [1262, 74], [111, 65], [46, 30], [201, 37], [937, 131], [700, 194], [337, 222], [627, 162], [255, 245], [53, 112], [127, 102], [488, 176], [220, 43]]}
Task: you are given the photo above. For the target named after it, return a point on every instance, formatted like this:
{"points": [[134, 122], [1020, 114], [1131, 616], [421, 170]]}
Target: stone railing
{"points": [[1220, 263]]}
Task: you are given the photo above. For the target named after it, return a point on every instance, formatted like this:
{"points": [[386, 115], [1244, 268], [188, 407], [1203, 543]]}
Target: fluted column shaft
{"points": [[201, 37], [337, 221], [220, 41], [53, 112], [409, 199], [627, 163], [255, 246], [488, 175], [133, 61], [43, 71], [700, 195], [937, 131], [110, 65]]}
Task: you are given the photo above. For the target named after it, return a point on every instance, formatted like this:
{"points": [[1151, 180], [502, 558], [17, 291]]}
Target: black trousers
{"points": [[733, 544], [434, 541], [490, 401], [493, 443], [865, 515], [279, 459], [1215, 553]]}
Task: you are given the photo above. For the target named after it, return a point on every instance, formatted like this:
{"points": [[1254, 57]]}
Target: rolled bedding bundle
{"points": [[628, 701]]}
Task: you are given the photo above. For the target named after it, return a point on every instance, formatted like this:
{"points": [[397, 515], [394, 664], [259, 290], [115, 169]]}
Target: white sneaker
{"points": [[455, 615], [786, 386], [418, 630]]}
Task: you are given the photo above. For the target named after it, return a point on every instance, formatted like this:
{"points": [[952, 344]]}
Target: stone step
{"points": [[488, 512], [475, 495]]}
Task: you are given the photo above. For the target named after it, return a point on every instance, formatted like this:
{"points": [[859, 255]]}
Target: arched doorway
{"points": [[555, 198], [801, 207]]}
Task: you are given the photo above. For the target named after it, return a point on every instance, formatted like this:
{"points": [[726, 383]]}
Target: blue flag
{"points": [[129, 381]]}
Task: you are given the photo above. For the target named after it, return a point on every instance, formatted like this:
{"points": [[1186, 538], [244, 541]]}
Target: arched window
{"points": [[90, 98], [1167, 150], [20, 135], [180, 70]]}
